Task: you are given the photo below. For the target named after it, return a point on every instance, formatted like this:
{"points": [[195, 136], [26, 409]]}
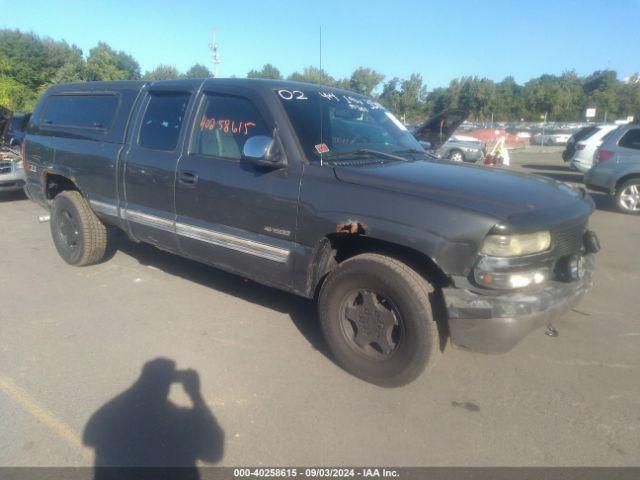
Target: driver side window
{"points": [[224, 124]]}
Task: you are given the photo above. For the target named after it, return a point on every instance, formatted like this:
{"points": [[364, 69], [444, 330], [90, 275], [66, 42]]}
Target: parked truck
{"points": [[317, 191]]}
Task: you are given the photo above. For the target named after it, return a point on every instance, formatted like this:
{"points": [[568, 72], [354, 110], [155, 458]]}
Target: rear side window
{"points": [[631, 139], [162, 120], [608, 136], [584, 133], [80, 111], [592, 133], [223, 126]]}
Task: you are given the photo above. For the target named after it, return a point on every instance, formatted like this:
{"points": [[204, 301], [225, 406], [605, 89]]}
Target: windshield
{"points": [[330, 122]]}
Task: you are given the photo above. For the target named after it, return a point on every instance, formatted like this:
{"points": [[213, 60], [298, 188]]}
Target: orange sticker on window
{"points": [[322, 148]]}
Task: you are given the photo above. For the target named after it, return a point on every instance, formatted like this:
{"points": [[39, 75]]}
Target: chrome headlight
{"points": [[516, 245]]}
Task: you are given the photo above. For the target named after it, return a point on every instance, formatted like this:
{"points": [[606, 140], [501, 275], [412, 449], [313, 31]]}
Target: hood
{"points": [[5, 122], [520, 201], [437, 129]]}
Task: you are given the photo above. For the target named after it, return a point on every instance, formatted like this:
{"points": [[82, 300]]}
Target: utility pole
{"points": [[213, 46]]}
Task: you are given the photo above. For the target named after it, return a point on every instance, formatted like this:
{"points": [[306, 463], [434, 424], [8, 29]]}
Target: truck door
{"points": [[229, 213], [150, 164]]}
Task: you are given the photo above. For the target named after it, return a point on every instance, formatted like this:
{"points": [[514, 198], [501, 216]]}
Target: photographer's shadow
{"points": [[141, 427]]}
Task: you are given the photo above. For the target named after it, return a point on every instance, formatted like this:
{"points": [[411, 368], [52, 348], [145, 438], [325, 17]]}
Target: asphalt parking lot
{"points": [[73, 339]]}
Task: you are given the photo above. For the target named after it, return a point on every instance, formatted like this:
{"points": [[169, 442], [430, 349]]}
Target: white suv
{"points": [[582, 159]]}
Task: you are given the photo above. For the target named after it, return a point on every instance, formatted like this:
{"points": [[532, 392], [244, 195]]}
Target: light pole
{"points": [[213, 46]]}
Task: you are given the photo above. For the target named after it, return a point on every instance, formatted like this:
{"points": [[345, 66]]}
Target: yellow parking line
{"points": [[55, 425]]}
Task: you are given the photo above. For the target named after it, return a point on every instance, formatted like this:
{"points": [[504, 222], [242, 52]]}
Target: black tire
{"points": [[78, 234], [456, 155], [394, 287], [625, 192]]}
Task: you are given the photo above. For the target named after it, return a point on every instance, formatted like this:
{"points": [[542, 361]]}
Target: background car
{"points": [[582, 159], [436, 136], [570, 149], [17, 125], [12, 174], [550, 139], [616, 169], [461, 150]]}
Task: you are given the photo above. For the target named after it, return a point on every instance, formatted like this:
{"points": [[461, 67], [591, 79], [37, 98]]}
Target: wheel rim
{"points": [[371, 323], [630, 198], [68, 229], [456, 156]]}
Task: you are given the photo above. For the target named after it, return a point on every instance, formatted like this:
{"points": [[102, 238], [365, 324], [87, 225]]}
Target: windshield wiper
{"points": [[364, 151], [415, 151]]}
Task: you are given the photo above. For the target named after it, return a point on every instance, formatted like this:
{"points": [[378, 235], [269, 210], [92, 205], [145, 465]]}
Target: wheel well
{"points": [[57, 183], [338, 247], [625, 178]]}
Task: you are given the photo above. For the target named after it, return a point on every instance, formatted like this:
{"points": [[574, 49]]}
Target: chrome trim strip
{"points": [[233, 242], [106, 208], [214, 237], [149, 220]]}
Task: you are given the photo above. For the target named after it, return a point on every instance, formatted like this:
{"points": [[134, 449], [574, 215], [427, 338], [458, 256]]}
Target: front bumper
{"points": [[11, 185], [12, 180], [496, 323]]}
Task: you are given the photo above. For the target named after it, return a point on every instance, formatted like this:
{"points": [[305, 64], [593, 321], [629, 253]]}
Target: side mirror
{"points": [[262, 151]]}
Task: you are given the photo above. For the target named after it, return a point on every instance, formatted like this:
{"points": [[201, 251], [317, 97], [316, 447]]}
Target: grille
{"points": [[568, 240], [6, 167]]}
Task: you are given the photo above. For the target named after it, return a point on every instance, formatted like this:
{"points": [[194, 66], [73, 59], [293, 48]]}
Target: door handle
{"points": [[188, 178]]}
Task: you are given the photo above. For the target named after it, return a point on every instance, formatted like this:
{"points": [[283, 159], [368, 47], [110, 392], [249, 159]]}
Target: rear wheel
{"points": [[628, 196], [456, 156], [377, 319], [78, 234]]}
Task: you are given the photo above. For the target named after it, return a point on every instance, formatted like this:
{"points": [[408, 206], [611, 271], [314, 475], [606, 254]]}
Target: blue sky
{"points": [[439, 39]]}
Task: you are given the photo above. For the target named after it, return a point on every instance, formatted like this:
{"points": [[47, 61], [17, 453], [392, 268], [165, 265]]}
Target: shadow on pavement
{"points": [[604, 202], [16, 196], [300, 310], [556, 172], [140, 427]]}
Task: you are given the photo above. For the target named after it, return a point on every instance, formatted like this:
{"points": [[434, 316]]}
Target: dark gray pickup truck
{"points": [[320, 192]]}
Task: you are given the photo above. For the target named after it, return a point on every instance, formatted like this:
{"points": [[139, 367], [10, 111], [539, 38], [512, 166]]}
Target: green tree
{"points": [[602, 91], [33, 61], [198, 71], [162, 72], [365, 80], [104, 63], [267, 71], [629, 93], [390, 96], [506, 104], [16, 96], [412, 96], [313, 75]]}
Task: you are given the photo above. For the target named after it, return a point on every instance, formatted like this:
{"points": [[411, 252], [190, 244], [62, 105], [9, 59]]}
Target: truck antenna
{"points": [[320, 103]]}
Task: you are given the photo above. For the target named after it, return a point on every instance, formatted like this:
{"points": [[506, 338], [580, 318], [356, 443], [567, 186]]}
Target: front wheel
{"points": [[377, 319], [78, 234], [628, 196]]}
